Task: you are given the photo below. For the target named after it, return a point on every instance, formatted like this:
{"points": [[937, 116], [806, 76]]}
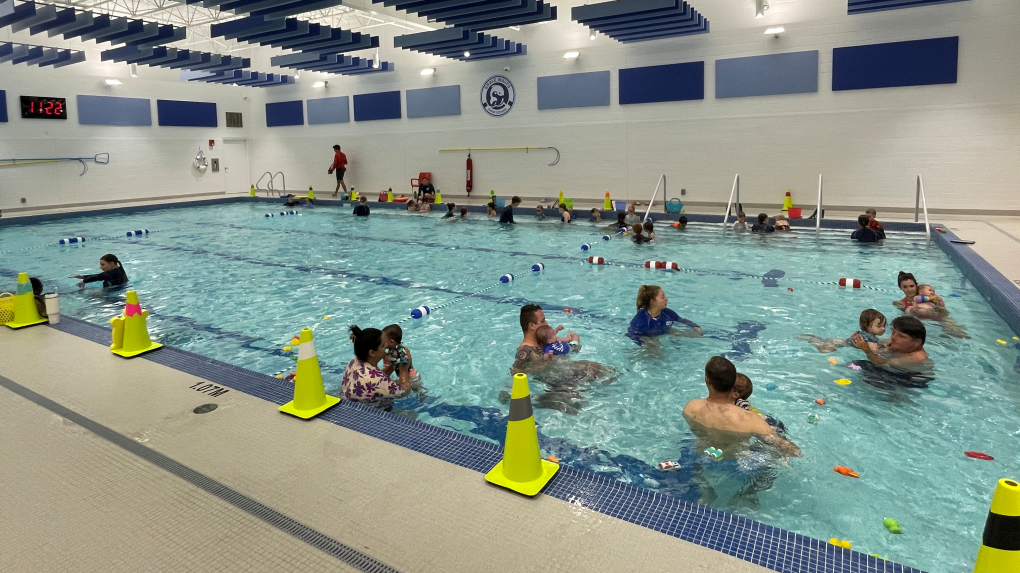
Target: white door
{"points": [[236, 175]]}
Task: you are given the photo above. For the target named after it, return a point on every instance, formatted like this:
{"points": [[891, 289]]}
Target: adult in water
{"points": [[905, 350], [113, 273], [654, 318], [363, 381], [529, 356], [908, 284]]}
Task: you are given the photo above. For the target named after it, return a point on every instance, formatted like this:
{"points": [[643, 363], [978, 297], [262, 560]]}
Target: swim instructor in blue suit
{"points": [[654, 319]]}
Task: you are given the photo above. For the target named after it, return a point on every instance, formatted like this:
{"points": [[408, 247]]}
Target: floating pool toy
{"points": [[421, 311], [507, 278], [838, 543], [979, 456], [1016, 338], [279, 375], [596, 260], [845, 471], [325, 317], [553, 459], [854, 366], [843, 382], [568, 311], [537, 267], [288, 348], [1001, 341], [669, 466], [833, 361], [714, 453], [771, 386], [649, 482], [676, 223], [295, 341], [892, 525], [853, 283], [813, 418], [789, 289], [585, 247], [820, 401]]}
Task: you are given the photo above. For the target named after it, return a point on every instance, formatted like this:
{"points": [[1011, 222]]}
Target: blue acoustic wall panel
{"points": [[587, 89], [285, 113], [174, 113], [671, 82], [433, 102], [792, 73], [328, 110], [103, 110], [3, 106], [916, 63], [381, 105]]}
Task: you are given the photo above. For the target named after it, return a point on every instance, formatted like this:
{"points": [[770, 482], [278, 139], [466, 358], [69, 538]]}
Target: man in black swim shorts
{"points": [[340, 167]]}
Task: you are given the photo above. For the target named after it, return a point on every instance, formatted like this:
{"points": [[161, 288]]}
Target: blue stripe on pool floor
{"points": [[746, 539]]}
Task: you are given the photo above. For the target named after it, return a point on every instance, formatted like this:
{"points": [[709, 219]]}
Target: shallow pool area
{"points": [[229, 283]]}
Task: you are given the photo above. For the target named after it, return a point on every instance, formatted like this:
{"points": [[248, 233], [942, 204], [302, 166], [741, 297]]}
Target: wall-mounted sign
{"points": [[43, 107], [498, 96]]}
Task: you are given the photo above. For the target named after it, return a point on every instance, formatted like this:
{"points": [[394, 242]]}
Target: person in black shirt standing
{"points": [[864, 233], [362, 209], [763, 225], [113, 273], [508, 212]]}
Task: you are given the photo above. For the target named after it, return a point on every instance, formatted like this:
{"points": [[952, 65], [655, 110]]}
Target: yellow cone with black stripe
{"points": [[130, 333], [310, 397], [1000, 544], [25, 312], [522, 469]]}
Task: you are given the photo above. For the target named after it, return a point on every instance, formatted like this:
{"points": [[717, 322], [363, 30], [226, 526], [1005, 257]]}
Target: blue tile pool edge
{"points": [[770, 547]]}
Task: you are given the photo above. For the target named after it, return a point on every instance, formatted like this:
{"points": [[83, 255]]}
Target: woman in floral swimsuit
{"points": [[363, 380]]}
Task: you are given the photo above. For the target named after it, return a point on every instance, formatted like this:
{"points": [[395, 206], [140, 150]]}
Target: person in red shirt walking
{"points": [[340, 167]]}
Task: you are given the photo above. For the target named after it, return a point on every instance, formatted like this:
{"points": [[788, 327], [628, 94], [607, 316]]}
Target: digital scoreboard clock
{"points": [[43, 107]]}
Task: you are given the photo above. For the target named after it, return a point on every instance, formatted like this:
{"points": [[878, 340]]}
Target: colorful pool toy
{"points": [[843, 382], [979, 456], [845, 471], [820, 401], [813, 418], [854, 366], [892, 525], [1002, 342], [288, 348], [669, 466], [833, 361], [714, 453], [841, 543]]}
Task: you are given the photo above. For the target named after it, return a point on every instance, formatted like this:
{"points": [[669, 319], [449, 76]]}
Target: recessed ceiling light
{"points": [[112, 82], [428, 71], [133, 68], [777, 30], [319, 84], [592, 35], [571, 55], [467, 54]]}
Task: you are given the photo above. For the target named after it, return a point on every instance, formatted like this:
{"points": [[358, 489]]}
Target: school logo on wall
{"points": [[498, 96]]}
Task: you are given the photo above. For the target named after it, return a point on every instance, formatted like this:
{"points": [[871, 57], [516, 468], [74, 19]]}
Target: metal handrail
{"points": [[818, 208], [282, 179], [270, 186], [919, 200], [735, 189], [662, 180]]}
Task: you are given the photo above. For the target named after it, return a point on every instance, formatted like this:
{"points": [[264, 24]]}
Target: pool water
{"points": [[228, 283]]}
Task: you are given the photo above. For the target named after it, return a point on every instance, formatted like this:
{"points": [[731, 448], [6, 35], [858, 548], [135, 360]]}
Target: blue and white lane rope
{"points": [[424, 310]]}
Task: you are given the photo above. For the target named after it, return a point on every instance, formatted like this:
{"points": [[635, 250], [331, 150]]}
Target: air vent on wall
{"points": [[234, 119]]}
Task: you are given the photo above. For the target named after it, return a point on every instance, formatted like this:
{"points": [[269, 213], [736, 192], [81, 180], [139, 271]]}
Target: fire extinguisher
{"points": [[470, 173]]}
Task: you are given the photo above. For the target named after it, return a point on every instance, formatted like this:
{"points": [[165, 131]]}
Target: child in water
{"points": [[742, 390], [540, 213], [596, 217], [398, 359], [490, 210], [872, 325], [638, 238], [463, 212], [926, 301], [546, 336], [649, 230]]}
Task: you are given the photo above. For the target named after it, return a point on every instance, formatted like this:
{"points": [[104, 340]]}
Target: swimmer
{"points": [[905, 349], [596, 217], [681, 223], [449, 211], [908, 284], [565, 215], [423, 207], [741, 223], [490, 209], [398, 359], [742, 390], [620, 223], [638, 237], [654, 318], [540, 213], [926, 301], [507, 216], [362, 209], [463, 212], [113, 273], [781, 223], [308, 202], [631, 217], [649, 230], [529, 351], [763, 225], [546, 336], [291, 200], [412, 206], [872, 325]]}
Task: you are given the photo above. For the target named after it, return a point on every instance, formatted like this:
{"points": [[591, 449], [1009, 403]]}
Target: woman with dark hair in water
{"points": [[363, 381], [113, 273], [908, 284]]}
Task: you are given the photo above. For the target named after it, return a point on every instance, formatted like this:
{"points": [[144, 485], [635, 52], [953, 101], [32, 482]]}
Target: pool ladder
{"points": [[271, 186]]}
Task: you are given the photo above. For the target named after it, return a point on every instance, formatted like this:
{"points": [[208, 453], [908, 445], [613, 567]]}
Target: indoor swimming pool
{"points": [[229, 283]]}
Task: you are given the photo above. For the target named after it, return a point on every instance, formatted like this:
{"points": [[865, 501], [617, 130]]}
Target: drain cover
{"points": [[205, 408]]}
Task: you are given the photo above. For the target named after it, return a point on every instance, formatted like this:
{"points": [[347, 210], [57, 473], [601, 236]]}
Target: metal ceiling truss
{"points": [[73, 23], [641, 20]]}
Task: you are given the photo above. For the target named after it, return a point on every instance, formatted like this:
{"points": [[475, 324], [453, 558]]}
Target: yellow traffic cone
{"points": [[523, 470], [389, 195], [25, 312], [1000, 544], [311, 194], [252, 191], [310, 397], [354, 194], [130, 335], [439, 197], [787, 201], [608, 206]]}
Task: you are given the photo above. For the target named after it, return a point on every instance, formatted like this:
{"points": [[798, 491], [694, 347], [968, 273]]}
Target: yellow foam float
{"points": [[843, 382]]}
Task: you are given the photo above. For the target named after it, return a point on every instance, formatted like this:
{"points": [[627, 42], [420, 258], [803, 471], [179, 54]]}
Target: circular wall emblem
{"points": [[498, 96]]}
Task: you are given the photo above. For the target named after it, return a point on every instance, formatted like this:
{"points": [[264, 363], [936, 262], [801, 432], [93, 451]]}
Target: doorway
{"points": [[236, 173]]}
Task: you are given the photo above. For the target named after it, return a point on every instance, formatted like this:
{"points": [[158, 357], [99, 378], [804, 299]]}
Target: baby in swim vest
{"points": [[742, 390], [872, 325], [399, 357], [926, 301], [546, 337]]}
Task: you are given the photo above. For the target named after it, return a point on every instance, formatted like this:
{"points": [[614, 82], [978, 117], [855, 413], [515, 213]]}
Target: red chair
{"points": [[415, 182]]}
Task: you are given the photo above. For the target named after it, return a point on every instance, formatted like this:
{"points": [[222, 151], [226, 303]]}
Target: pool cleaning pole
{"points": [[818, 209]]}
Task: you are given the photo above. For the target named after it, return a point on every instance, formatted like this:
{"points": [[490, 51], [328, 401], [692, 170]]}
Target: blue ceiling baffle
{"points": [[242, 78], [269, 8], [863, 6], [39, 55], [293, 34], [477, 14], [455, 42], [330, 63], [172, 58], [38, 18], [641, 20]]}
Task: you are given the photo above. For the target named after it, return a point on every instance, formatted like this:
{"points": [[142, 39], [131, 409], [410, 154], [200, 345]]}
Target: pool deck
{"points": [[100, 457]]}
